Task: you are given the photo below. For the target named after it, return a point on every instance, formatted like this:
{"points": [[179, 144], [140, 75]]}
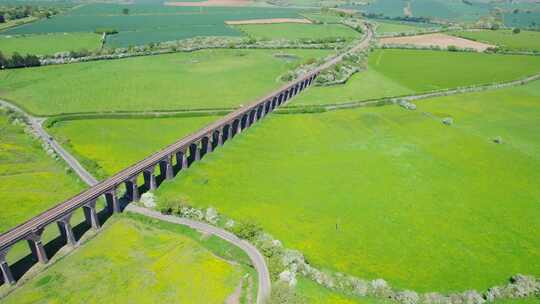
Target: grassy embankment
{"points": [[49, 44], [181, 81], [140, 260], [403, 72], [506, 39], [298, 31]]}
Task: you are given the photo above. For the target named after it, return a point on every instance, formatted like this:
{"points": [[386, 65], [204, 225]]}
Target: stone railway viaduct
{"points": [[169, 161]]}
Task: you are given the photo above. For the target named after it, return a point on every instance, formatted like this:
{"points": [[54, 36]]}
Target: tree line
{"points": [[8, 12], [18, 61]]}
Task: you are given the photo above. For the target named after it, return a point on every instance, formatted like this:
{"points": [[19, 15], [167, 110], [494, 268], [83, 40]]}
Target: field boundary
{"points": [[314, 108]]}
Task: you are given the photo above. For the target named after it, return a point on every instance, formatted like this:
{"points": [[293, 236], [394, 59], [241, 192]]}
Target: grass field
{"points": [[30, 181], [138, 135], [523, 19], [424, 206], [299, 31], [323, 17], [455, 10], [524, 41], [147, 23], [49, 44], [397, 27], [138, 260], [396, 72], [202, 79]]}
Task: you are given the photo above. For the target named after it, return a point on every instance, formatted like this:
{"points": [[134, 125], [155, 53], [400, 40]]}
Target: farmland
{"points": [[530, 19], [390, 74], [202, 79], [136, 259], [439, 9], [384, 27], [299, 31], [506, 39], [413, 183], [30, 180], [139, 139], [49, 44], [151, 23]]}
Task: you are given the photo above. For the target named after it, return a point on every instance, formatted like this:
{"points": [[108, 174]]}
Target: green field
{"points": [[202, 79], [299, 31], [395, 27], [397, 72], [524, 41], [323, 17], [152, 22], [30, 181], [455, 10], [138, 260], [81, 136], [49, 44], [386, 192]]}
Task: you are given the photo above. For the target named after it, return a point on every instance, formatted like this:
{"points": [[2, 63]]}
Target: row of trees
{"points": [[8, 12], [18, 61]]}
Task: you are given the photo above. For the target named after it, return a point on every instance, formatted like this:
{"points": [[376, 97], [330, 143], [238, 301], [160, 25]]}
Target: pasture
{"points": [[135, 259], [524, 19], [299, 31], [203, 79], [426, 206], [30, 180], [49, 44], [384, 27], [151, 22], [396, 72], [506, 39], [138, 138]]}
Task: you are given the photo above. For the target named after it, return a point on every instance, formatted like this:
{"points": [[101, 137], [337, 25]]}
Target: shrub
{"points": [[452, 48], [108, 31], [247, 231], [516, 31]]}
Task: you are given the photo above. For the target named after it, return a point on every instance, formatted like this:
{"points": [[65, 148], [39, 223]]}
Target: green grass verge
{"points": [[135, 259], [202, 79], [386, 192], [506, 39], [139, 137], [395, 72], [49, 44], [299, 31], [30, 180]]}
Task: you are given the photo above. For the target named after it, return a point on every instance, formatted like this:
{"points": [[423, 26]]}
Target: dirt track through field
{"points": [[440, 40]]}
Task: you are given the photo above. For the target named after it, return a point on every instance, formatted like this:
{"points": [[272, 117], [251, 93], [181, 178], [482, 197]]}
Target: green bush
{"points": [[247, 230]]}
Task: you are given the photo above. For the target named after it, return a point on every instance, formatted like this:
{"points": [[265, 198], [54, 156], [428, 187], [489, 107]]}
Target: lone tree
{"points": [[516, 31], [125, 11]]}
